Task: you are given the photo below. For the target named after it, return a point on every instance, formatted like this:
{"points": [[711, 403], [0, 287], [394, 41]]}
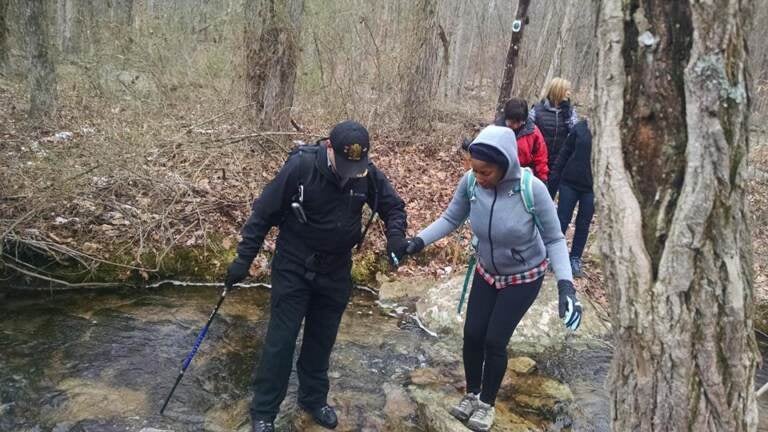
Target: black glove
{"points": [[237, 271], [415, 245], [396, 247], [570, 307]]}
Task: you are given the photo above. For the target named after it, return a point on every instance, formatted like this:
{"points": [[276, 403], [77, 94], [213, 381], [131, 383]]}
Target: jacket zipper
{"points": [[554, 141], [490, 225]]}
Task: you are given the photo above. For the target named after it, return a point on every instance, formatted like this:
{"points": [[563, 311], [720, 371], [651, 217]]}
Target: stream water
{"points": [[104, 361]]}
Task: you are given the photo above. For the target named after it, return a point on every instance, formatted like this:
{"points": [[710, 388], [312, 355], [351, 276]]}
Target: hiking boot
{"points": [[466, 406], [482, 419], [576, 267], [263, 426], [325, 416]]}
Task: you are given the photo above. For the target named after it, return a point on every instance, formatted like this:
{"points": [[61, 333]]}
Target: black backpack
{"points": [[307, 154]]}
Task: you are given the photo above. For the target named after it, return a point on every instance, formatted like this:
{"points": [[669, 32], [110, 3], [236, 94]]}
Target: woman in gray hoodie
{"points": [[512, 257]]}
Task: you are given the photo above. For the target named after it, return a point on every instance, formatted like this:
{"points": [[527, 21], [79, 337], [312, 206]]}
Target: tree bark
{"points": [[122, 13], [671, 161], [508, 78], [420, 78], [4, 47], [271, 56], [41, 72]]}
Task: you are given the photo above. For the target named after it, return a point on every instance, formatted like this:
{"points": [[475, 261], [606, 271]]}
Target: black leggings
{"points": [[492, 316]]}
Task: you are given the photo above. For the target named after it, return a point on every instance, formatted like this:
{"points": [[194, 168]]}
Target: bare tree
{"points": [[671, 165], [421, 72], [508, 77], [271, 56], [122, 13], [4, 46], [41, 72]]}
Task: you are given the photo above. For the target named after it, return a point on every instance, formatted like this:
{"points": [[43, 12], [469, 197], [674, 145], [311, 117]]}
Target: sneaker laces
{"points": [[264, 424], [483, 411], [466, 401]]}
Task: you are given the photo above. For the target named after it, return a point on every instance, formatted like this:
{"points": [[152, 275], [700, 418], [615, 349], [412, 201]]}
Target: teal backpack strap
{"points": [[471, 185], [526, 192]]}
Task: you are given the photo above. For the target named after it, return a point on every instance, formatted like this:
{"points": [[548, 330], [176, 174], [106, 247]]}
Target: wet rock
{"points": [[393, 289], [433, 412], [63, 427], [150, 429], [541, 329], [521, 365], [540, 395], [433, 408], [437, 377], [5, 408], [398, 405]]}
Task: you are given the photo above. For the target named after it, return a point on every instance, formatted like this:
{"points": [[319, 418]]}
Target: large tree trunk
{"points": [[670, 162], [271, 56], [421, 72], [508, 77], [41, 74], [122, 13], [4, 46]]}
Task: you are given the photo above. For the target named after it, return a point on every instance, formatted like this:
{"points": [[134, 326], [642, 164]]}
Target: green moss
{"points": [[366, 265]]}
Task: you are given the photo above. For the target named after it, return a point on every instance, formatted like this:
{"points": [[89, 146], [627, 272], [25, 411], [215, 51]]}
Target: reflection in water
{"points": [[105, 362]]}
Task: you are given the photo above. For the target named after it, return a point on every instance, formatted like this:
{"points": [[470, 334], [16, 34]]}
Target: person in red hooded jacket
{"points": [[531, 147]]}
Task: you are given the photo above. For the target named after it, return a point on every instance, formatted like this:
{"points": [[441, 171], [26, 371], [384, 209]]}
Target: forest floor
{"points": [[125, 191]]}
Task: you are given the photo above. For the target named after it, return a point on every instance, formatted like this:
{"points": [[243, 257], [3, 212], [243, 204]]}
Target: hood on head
{"points": [[502, 138]]}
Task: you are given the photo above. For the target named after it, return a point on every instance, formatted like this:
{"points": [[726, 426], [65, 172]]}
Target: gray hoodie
{"points": [[509, 241]]}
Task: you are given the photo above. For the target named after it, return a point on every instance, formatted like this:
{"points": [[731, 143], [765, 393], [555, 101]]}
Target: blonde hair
{"points": [[558, 90]]}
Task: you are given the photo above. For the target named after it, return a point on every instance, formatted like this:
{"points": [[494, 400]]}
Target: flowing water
{"points": [[104, 361]]}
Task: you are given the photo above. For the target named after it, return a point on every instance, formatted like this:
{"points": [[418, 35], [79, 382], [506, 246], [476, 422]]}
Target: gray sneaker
{"points": [[576, 267], [482, 419], [466, 406]]}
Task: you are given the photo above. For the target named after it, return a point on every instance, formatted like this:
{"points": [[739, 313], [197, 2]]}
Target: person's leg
{"points": [[568, 199], [289, 301], [482, 299], [511, 305], [329, 300], [583, 221]]}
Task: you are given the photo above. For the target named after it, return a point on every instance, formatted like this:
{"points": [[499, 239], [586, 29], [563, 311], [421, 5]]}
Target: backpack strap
{"points": [[471, 185], [526, 192], [306, 154]]}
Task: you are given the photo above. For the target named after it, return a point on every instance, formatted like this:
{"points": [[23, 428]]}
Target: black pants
{"points": [[318, 299], [565, 207], [492, 316]]}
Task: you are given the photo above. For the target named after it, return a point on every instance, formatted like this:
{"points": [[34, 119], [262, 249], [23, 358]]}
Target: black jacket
{"points": [[574, 163], [333, 210], [554, 124]]}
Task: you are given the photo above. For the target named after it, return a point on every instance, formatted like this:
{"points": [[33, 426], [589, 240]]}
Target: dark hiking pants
{"points": [[318, 299]]}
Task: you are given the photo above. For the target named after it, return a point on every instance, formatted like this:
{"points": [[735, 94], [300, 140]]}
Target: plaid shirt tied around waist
{"points": [[503, 281]]}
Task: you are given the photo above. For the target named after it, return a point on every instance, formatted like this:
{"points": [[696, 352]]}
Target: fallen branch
{"points": [[206, 284], [762, 390], [68, 285], [237, 138]]}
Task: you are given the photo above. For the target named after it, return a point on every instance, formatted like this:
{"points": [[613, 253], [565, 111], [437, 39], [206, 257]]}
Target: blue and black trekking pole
{"points": [[192, 353]]}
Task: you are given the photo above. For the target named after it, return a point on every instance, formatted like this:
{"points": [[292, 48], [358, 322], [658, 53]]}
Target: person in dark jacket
{"points": [[572, 177], [531, 148], [555, 117], [316, 200]]}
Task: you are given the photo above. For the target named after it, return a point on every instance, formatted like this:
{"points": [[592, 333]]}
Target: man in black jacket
{"points": [[316, 200]]}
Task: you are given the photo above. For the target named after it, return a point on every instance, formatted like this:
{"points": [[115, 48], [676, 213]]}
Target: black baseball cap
{"points": [[350, 142]]}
